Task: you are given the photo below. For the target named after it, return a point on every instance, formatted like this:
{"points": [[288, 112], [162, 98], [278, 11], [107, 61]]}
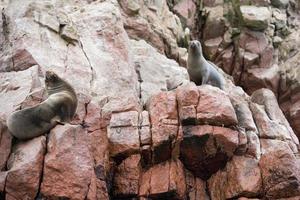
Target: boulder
{"points": [[280, 170], [241, 177], [164, 119], [5, 145], [25, 168], [68, 165], [256, 18], [214, 107], [127, 177], [205, 149], [164, 181]]}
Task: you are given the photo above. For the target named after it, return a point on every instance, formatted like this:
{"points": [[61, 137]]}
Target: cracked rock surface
{"points": [[141, 130]]}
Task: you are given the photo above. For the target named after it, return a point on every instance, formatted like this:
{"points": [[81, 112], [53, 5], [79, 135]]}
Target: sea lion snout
{"points": [[193, 44], [50, 76]]}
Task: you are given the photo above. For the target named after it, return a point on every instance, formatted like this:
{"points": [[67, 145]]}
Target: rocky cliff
{"points": [[257, 42], [136, 134]]}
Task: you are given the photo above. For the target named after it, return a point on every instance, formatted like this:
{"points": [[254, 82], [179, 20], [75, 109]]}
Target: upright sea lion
{"points": [[59, 107], [200, 70]]}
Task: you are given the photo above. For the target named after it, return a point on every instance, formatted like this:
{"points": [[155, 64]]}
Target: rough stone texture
{"points": [[186, 11], [128, 126], [123, 140], [280, 170], [127, 176], [5, 145], [3, 176], [25, 169], [214, 107], [68, 164], [256, 18], [156, 24], [206, 149], [257, 43], [165, 180], [241, 177], [164, 119], [156, 73], [267, 98], [215, 23], [196, 188]]}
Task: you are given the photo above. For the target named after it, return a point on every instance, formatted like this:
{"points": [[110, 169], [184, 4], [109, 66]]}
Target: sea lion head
{"points": [[195, 47], [51, 79]]}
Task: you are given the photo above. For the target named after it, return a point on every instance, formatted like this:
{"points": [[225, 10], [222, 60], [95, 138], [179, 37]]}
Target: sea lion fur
{"points": [[200, 70], [59, 107]]}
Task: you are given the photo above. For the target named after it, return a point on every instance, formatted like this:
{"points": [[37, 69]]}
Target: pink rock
{"points": [[187, 115], [145, 135], [244, 198], [123, 141], [92, 118], [243, 142], [3, 176], [227, 61], [129, 118], [243, 113], [211, 46], [226, 139], [97, 189], [5, 145], [241, 177], [187, 95], [280, 170], [144, 118], [266, 57], [68, 166], [294, 118], [244, 177], [123, 133], [162, 106], [99, 148], [206, 149], [22, 60], [253, 41], [250, 59], [25, 169], [16, 87], [127, 176], [164, 119], [34, 98], [196, 188], [267, 98], [256, 78], [165, 180], [215, 107], [186, 10], [82, 111], [215, 23], [268, 128], [253, 145]]}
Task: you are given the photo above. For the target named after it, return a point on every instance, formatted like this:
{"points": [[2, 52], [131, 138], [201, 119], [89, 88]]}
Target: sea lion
{"points": [[200, 70], [59, 107]]}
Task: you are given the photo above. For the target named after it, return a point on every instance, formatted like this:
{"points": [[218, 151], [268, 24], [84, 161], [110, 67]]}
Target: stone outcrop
{"points": [[256, 42], [141, 130]]}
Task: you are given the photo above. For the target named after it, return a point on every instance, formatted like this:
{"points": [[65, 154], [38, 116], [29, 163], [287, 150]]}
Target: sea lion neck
{"points": [[57, 87]]}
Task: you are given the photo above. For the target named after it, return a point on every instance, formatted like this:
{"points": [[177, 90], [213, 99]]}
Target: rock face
{"points": [[142, 130], [256, 18], [256, 42]]}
